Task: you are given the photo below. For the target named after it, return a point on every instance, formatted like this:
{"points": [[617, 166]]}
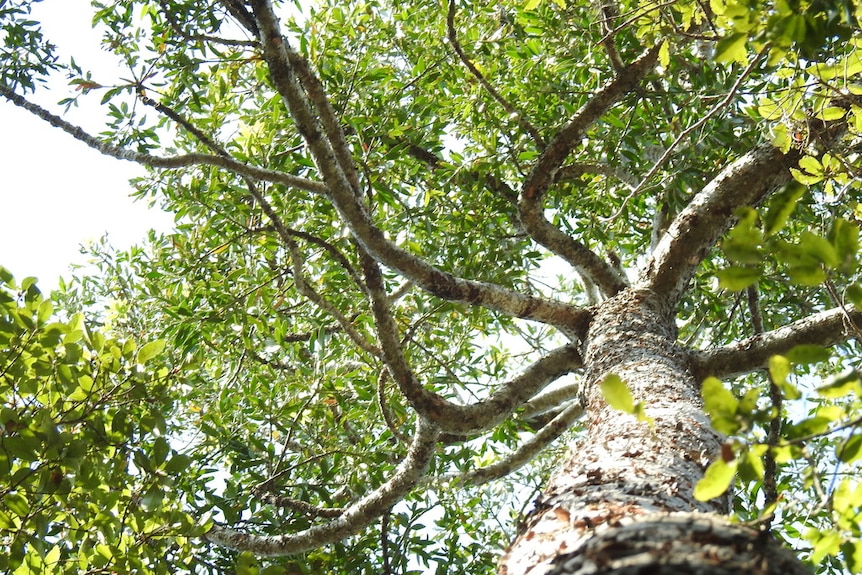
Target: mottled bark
{"points": [[680, 544], [625, 470]]}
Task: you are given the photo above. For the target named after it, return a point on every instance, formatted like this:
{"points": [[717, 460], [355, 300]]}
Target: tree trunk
{"points": [[621, 501]]}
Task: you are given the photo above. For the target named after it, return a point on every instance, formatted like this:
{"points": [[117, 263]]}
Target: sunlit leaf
{"points": [[617, 393], [716, 480]]}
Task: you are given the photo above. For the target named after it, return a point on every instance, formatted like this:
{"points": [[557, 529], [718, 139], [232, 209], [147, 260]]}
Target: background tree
{"points": [[416, 243]]}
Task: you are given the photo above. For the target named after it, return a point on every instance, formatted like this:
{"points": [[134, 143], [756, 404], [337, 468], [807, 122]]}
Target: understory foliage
{"points": [[253, 370]]}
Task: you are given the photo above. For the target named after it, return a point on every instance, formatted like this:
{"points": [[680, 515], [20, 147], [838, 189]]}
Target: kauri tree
{"points": [[535, 287]]}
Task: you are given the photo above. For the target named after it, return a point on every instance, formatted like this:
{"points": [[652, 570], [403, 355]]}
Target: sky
{"points": [[55, 192]]}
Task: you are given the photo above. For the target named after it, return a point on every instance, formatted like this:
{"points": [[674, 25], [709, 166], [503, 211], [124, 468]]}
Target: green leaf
{"points": [[819, 248], [806, 179], [732, 49], [721, 406], [811, 165], [807, 275], [246, 564], [844, 237], [825, 543], [617, 394], [779, 370], [150, 350], [807, 353], [716, 480], [664, 54], [781, 206], [750, 466], [850, 449], [17, 504], [831, 113], [852, 553], [842, 385], [737, 278]]}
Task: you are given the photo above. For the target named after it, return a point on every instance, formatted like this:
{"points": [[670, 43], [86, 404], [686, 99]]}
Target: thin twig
{"points": [[510, 109], [175, 26], [170, 162], [685, 133]]}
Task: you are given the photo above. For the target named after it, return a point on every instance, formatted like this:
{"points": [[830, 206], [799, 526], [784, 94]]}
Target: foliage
{"points": [[88, 469], [273, 403]]}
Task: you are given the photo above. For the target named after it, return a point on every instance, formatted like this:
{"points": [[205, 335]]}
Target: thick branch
{"points": [[173, 162], [697, 228], [690, 130], [355, 214], [546, 167], [353, 519], [452, 417], [527, 451], [825, 328], [544, 173]]}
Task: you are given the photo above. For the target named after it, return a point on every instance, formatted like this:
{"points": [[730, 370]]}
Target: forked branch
{"points": [[353, 211], [451, 417], [353, 519], [527, 451], [698, 227], [546, 169]]}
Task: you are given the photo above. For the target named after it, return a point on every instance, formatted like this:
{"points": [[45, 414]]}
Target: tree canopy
{"points": [[400, 231]]}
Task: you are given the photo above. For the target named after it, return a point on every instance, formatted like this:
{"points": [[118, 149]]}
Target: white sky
{"points": [[55, 192]]}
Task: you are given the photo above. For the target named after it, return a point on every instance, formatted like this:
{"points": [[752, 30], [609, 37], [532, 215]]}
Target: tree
{"points": [[416, 245]]}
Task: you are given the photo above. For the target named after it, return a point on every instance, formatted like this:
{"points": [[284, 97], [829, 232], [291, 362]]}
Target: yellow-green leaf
{"points": [[664, 54], [831, 113], [736, 278], [150, 350], [841, 385], [716, 481], [732, 49], [617, 393]]}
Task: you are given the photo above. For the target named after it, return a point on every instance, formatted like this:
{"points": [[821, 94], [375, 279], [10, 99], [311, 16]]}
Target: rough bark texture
{"points": [[625, 470], [680, 544]]}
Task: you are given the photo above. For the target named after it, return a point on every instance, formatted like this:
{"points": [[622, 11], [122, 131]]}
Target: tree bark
{"points": [[622, 501]]}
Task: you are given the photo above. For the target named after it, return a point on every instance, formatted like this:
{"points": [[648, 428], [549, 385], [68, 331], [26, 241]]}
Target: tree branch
{"points": [[688, 131], [825, 328], [544, 173], [549, 400], [578, 169], [452, 36], [353, 519], [526, 452], [697, 228], [451, 417], [173, 162], [353, 211], [175, 26]]}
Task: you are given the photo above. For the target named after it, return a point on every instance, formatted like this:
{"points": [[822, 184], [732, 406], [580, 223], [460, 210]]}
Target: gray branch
{"points": [[697, 228], [547, 167], [354, 213], [354, 517], [451, 417], [825, 328], [526, 452], [171, 162]]}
